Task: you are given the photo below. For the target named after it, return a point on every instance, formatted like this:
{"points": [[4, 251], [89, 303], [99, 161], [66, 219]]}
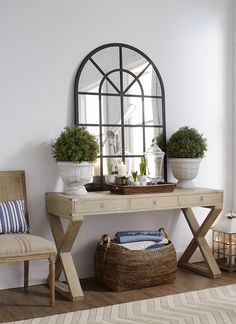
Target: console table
{"points": [[75, 208]]}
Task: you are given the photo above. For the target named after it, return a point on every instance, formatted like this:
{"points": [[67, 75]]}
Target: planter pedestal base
{"points": [[188, 184], [75, 190]]}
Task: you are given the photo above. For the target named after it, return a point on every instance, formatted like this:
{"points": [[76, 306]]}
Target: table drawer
{"points": [[101, 206], [154, 203], [201, 200]]}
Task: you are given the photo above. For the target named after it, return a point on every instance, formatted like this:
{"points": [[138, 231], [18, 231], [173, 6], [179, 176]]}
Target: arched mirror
{"points": [[119, 96]]}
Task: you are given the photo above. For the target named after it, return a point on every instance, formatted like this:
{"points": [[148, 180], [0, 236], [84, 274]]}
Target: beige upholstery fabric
{"points": [[18, 244], [24, 247]]}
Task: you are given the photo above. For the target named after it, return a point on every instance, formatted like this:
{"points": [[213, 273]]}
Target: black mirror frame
{"points": [[76, 104]]}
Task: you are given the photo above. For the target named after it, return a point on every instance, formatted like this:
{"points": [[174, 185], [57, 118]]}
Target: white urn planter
{"points": [[184, 170], [75, 176]]}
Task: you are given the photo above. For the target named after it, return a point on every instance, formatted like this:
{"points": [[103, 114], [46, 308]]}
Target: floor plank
{"points": [[15, 304]]}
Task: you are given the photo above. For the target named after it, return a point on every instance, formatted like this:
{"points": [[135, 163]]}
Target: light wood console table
{"points": [[74, 209]]}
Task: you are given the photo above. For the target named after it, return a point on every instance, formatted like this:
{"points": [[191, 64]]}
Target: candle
{"points": [[97, 169], [121, 170], [233, 254]]}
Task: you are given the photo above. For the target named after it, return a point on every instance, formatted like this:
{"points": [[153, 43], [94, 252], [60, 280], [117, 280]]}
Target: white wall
{"points": [[42, 45], [234, 133]]}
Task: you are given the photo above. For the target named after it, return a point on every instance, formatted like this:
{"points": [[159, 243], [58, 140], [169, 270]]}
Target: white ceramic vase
{"points": [[142, 180], [184, 170], [75, 176]]}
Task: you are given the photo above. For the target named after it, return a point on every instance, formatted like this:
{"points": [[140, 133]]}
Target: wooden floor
{"points": [[15, 304]]}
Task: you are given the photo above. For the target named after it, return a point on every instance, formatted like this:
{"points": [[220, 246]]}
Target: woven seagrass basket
{"points": [[122, 269]]}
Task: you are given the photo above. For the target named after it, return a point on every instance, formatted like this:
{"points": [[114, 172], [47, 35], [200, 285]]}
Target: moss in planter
{"points": [[186, 143], [75, 144]]}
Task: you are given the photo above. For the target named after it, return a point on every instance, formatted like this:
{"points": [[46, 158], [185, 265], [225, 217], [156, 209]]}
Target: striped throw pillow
{"points": [[12, 217]]}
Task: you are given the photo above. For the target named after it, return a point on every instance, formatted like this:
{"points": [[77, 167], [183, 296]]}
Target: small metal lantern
{"points": [[224, 242], [154, 157]]}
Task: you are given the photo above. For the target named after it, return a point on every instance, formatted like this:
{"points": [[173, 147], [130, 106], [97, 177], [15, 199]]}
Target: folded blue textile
{"points": [[154, 246], [136, 236], [138, 232]]}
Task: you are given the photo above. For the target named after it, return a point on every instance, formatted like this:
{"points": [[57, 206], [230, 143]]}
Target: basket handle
{"points": [[164, 232], [105, 240]]}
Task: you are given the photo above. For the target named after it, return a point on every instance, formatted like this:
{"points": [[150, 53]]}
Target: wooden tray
{"points": [[129, 190]]}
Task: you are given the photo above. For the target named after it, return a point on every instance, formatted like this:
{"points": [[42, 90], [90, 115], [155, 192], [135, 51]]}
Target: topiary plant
{"points": [[186, 142], [75, 144]]}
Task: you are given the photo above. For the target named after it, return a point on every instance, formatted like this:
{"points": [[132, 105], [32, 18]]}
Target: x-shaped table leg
{"points": [[64, 262], [199, 240]]}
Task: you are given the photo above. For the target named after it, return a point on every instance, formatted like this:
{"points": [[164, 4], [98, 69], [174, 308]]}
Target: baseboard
{"points": [[86, 267], [12, 275], [197, 257]]}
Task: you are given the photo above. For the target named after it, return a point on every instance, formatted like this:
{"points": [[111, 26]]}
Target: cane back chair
{"points": [[16, 247]]}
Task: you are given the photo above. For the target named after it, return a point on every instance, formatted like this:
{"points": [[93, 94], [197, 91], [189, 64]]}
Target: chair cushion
{"points": [[12, 217], [18, 244]]}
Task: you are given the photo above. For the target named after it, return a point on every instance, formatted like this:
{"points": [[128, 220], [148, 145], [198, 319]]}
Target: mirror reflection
{"points": [[119, 96]]}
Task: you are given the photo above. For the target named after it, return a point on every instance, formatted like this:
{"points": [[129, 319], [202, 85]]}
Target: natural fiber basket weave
{"points": [[121, 269]]}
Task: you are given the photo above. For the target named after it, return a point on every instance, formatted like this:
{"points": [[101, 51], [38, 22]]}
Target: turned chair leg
{"points": [[51, 280], [26, 275]]}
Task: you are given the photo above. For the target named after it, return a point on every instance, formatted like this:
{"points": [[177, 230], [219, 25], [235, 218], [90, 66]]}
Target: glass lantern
{"points": [[154, 157], [224, 242]]}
